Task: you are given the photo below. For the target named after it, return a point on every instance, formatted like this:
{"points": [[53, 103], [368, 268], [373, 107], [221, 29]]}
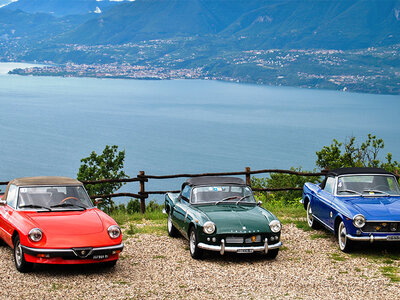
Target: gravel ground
{"points": [[157, 267]]}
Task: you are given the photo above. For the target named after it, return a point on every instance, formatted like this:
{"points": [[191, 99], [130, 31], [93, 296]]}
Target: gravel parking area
{"points": [[157, 267]]}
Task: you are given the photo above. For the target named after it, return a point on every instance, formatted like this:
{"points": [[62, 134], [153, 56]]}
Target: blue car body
{"points": [[379, 209]]}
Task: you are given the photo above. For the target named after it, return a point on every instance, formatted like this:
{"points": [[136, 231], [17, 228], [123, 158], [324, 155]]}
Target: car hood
{"points": [[376, 208], [67, 223], [237, 218]]}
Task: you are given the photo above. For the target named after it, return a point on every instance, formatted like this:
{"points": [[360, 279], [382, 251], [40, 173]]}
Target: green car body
{"points": [[221, 214]]}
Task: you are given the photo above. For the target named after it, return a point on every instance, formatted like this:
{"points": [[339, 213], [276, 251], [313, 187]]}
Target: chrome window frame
{"points": [[54, 185], [363, 174]]}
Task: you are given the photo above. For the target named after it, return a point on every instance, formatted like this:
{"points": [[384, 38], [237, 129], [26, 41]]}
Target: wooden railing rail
{"points": [[142, 178]]}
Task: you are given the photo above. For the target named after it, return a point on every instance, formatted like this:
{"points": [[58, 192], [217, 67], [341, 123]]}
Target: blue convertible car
{"points": [[357, 204]]}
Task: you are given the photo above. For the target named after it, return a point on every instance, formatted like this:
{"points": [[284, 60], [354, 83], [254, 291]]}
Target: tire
{"points": [[344, 243], [172, 231], [195, 251], [272, 254], [310, 219], [19, 259]]}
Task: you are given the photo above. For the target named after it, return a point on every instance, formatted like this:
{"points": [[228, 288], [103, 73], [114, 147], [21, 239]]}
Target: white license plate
{"points": [[393, 237], [103, 256], [245, 251]]}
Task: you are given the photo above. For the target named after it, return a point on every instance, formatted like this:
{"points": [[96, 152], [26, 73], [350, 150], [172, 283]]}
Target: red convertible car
{"points": [[51, 220]]}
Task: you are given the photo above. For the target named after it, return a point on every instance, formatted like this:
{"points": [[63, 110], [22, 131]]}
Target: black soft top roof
{"points": [[345, 171], [205, 180]]}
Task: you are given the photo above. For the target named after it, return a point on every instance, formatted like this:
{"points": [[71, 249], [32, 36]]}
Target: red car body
{"points": [[71, 233]]}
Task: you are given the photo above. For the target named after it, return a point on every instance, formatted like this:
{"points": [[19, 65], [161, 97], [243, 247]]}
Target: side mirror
{"points": [[3, 202], [98, 201], [259, 203]]}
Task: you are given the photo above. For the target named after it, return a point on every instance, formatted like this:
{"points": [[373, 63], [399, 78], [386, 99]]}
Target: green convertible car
{"points": [[221, 214]]}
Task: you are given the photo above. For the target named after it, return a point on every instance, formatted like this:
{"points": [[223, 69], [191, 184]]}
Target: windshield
{"points": [[53, 198], [377, 185], [222, 193]]}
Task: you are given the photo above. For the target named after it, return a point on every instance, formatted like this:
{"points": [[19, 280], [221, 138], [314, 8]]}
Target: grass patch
{"points": [[391, 272], [150, 228], [337, 257], [283, 212], [159, 257], [303, 225], [320, 236], [122, 217]]}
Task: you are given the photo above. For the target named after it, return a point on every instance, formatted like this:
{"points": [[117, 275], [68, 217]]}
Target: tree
{"points": [[107, 165], [349, 154]]}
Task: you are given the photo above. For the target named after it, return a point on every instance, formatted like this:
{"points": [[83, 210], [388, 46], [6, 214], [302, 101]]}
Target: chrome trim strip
{"points": [[222, 249], [266, 246], [46, 250], [371, 238], [323, 223]]}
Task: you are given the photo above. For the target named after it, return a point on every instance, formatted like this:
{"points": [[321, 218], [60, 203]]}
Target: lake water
{"points": [[48, 124]]}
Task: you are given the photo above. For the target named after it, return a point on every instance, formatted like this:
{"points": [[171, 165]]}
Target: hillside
{"points": [[344, 24], [60, 7]]}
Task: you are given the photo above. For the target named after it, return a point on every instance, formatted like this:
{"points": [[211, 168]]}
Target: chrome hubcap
{"points": [[169, 224], [310, 218], [192, 242], [18, 254], [342, 236]]}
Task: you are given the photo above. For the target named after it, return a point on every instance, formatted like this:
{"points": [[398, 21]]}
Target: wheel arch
{"points": [[305, 202], [338, 219]]}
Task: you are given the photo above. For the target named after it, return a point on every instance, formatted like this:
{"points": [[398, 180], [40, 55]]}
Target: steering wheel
{"points": [[69, 198]]}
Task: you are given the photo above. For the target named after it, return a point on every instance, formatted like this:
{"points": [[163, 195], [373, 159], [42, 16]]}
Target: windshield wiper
{"points": [[244, 197], [34, 206], [67, 205], [376, 191], [227, 198], [350, 191]]}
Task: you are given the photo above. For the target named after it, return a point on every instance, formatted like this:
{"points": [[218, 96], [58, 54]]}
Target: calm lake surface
{"points": [[48, 124]]}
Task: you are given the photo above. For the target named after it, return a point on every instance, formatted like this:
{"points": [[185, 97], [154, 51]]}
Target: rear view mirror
{"points": [[98, 200]]}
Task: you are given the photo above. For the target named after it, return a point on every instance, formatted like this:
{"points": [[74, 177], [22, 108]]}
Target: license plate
{"points": [[393, 237], [245, 251], [103, 256]]}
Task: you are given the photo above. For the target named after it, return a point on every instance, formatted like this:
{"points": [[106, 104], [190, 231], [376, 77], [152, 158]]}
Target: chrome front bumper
{"points": [[74, 252], [222, 248], [372, 238]]}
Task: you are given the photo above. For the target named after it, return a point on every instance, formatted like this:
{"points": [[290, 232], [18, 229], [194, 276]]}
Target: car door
{"points": [[6, 212], [181, 207], [325, 196]]}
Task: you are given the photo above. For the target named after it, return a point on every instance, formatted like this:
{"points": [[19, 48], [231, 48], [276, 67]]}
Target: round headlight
{"points": [[275, 226], [359, 221], [209, 227], [114, 231], [35, 235]]}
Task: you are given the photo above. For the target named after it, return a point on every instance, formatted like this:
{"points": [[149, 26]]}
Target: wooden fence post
{"points": [[248, 178], [142, 192]]}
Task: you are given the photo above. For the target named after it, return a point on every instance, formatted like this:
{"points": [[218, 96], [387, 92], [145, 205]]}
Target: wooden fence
{"points": [[142, 178]]}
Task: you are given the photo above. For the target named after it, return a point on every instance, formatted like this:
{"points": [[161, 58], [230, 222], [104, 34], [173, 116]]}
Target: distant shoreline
{"points": [[129, 72]]}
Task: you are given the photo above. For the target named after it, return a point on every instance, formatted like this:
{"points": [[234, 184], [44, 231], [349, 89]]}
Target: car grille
{"points": [[242, 239], [381, 227]]}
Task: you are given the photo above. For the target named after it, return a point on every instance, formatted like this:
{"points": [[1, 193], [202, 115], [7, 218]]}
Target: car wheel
{"points": [[172, 231], [195, 251], [310, 219], [273, 253], [344, 243], [19, 259]]}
